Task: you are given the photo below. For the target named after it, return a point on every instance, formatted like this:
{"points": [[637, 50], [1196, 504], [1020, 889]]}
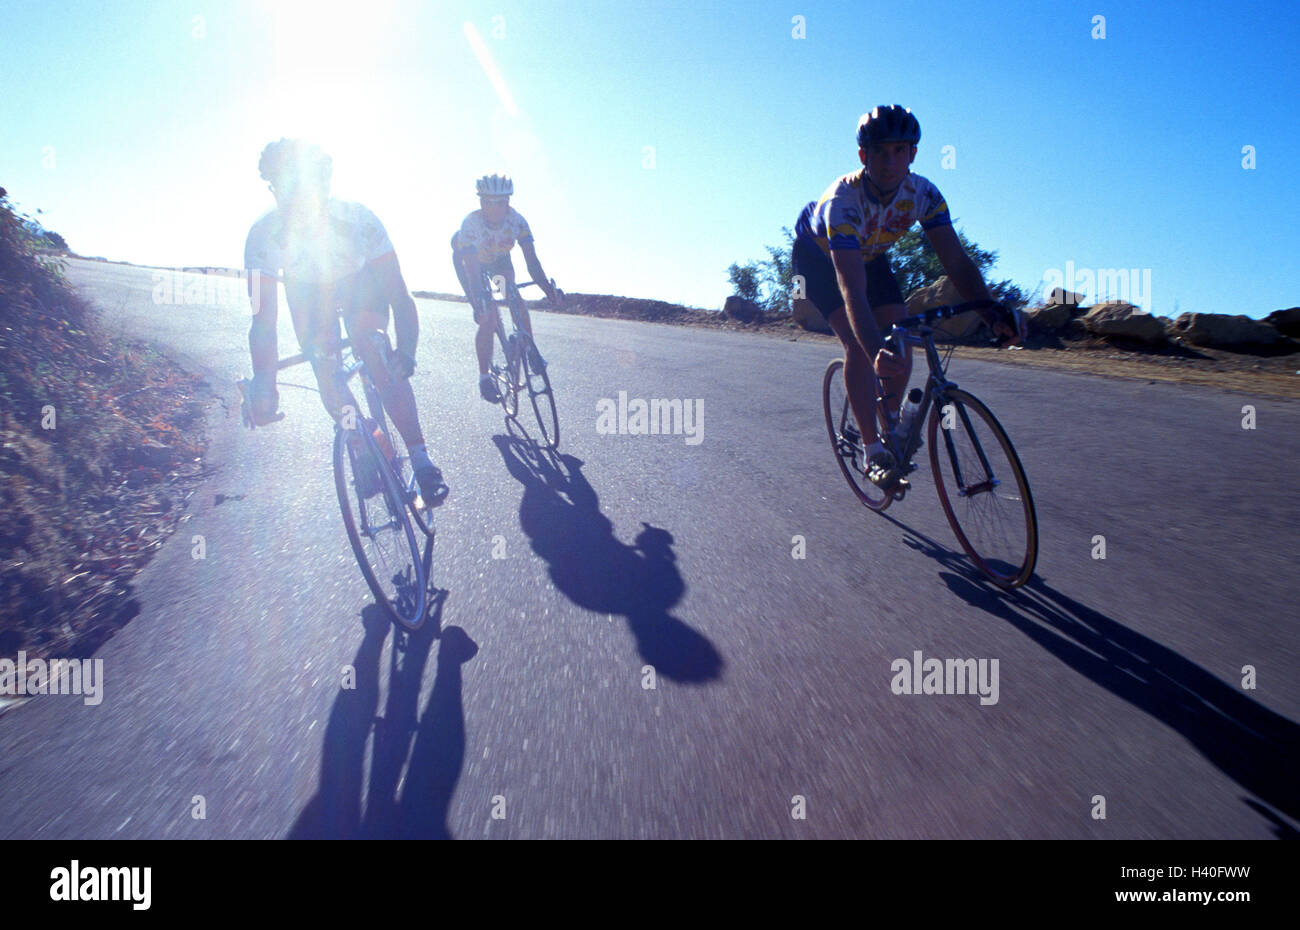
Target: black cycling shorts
{"points": [[823, 288]]}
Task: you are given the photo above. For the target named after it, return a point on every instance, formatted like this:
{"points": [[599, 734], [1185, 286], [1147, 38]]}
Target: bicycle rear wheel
{"points": [[538, 384], [983, 489], [379, 528], [846, 438]]}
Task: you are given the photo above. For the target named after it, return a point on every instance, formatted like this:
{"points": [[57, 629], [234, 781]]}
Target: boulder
{"points": [[739, 309], [1222, 330], [1063, 298], [1117, 318], [807, 316], [938, 294], [1051, 318], [944, 293], [1286, 322]]}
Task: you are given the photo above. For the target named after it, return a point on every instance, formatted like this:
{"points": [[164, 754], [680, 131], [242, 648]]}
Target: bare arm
{"points": [[535, 268], [852, 277], [958, 265], [970, 284], [261, 335]]}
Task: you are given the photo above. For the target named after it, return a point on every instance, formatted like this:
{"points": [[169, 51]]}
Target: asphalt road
{"points": [[521, 710]]}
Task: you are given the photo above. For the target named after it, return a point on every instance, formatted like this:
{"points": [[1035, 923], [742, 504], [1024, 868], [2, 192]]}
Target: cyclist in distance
{"points": [[330, 255], [841, 249], [483, 244]]}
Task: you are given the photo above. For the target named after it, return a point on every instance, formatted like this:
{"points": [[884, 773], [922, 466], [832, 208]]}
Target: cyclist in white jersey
{"points": [[331, 255], [841, 250], [483, 243]]}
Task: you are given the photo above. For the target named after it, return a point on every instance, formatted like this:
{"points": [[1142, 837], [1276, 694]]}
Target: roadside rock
{"points": [[1063, 298], [809, 318], [1050, 318], [1221, 330], [1123, 319], [740, 309], [1074, 329], [1286, 322]]}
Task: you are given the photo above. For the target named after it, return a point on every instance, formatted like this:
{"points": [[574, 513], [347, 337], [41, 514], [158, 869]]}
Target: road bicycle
{"points": [[981, 482], [377, 490], [512, 369]]}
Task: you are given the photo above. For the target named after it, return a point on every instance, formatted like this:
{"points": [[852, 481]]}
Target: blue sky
{"points": [[654, 144]]}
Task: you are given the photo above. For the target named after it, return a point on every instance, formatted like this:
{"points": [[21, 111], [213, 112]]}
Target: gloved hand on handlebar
{"points": [[891, 360]]}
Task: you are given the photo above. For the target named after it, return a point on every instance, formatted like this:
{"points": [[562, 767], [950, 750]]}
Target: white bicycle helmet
{"points": [[494, 185]]}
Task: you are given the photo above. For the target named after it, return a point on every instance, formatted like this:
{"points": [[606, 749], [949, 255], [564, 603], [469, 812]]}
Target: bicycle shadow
{"points": [[436, 754], [560, 513], [1254, 746]]}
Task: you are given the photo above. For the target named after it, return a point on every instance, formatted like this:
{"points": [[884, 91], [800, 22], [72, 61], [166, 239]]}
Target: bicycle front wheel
{"points": [[983, 488], [539, 391], [505, 371], [846, 438], [379, 528]]}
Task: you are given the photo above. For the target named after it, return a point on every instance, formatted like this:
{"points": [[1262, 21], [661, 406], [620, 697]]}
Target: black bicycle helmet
{"points": [[888, 124]]}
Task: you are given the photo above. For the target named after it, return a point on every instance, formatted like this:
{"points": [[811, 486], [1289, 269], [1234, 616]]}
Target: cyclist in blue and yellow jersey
{"points": [[331, 255], [841, 249], [483, 244]]}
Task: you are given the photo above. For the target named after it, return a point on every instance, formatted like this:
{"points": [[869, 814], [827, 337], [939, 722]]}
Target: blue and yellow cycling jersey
{"points": [[490, 244], [848, 217]]}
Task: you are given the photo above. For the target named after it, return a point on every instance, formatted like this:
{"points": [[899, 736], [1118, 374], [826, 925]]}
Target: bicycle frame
{"points": [[936, 387], [507, 298]]}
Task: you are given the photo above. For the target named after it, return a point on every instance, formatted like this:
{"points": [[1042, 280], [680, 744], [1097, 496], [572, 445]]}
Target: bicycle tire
{"points": [[543, 399], [409, 607], [835, 404], [421, 512], [1008, 566], [503, 371]]}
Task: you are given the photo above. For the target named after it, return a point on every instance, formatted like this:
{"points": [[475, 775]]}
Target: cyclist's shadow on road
{"points": [[560, 513], [435, 758], [1254, 746]]}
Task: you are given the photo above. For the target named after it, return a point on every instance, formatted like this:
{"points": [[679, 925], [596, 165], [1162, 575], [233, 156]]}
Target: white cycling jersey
{"points": [[490, 244], [347, 239]]}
